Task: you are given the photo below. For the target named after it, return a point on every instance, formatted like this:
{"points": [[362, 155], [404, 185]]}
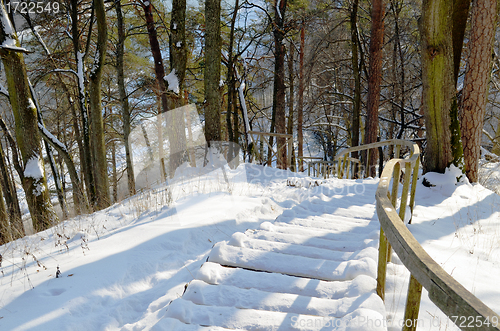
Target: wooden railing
{"points": [[450, 296]]}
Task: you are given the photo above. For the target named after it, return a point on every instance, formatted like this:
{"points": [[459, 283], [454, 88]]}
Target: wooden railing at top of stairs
{"points": [[460, 305]]}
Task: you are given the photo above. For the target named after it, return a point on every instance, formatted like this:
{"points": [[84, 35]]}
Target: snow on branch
{"points": [[3, 90], [49, 136]]}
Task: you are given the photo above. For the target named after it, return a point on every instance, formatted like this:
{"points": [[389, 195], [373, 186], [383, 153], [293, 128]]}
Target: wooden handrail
{"points": [[447, 294]]}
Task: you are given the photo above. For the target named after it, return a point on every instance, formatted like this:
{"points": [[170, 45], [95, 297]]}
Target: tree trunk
{"points": [[289, 129], [178, 62], [374, 80], [232, 101], [212, 70], [98, 146], [459, 20], [5, 228], [155, 50], [10, 195], [28, 138], [120, 49], [356, 105], [437, 80], [300, 110], [178, 45], [477, 76], [86, 162], [279, 81]]}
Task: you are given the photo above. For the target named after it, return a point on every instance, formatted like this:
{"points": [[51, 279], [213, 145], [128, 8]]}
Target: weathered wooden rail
{"points": [[446, 293]]}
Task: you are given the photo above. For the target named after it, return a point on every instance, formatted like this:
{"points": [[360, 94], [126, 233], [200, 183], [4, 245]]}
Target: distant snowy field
{"points": [[121, 267]]}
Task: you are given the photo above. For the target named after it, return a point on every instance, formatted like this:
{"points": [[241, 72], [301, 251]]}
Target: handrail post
{"points": [[412, 305], [394, 199], [414, 186], [344, 163], [404, 193], [382, 264]]}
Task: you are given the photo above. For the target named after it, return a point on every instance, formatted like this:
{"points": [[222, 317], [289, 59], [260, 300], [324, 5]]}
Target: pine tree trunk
{"points": [[356, 105], [120, 49], [86, 161], [459, 20], [279, 80], [155, 50], [477, 76], [300, 110], [98, 146], [291, 75], [5, 228], [437, 80], [212, 70], [178, 45], [374, 80], [10, 195], [28, 138], [178, 62]]}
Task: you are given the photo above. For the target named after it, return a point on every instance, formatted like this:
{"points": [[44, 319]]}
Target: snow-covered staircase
{"points": [[314, 272]]}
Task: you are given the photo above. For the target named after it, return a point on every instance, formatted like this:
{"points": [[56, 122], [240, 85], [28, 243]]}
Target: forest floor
{"points": [[121, 268]]}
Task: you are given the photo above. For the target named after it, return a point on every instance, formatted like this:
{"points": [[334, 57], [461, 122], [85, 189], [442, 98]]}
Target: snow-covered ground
{"points": [[121, 267]]}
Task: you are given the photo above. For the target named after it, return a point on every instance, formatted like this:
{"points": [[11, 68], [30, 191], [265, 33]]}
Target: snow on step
{"points": [[214, 273], [291, 265], [331, 225], [312, 241], [169, 324], [252, 319], [202, 293], [355, 234], [239, 239]]}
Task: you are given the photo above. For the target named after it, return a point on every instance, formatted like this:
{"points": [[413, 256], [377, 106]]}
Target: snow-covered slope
{"points": [[123, 266]]}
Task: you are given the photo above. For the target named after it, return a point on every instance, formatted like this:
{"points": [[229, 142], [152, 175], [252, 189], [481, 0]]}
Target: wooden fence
{"points": [[449, 295]]}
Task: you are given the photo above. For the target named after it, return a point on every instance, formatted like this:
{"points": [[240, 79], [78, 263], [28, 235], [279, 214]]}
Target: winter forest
{"points": [[83, 81]]}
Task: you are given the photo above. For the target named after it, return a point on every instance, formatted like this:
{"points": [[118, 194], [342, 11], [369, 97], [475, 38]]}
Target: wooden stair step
{"points": [[239, 239], [202, 293], [214, 273], [313, 241], [290, 264], [261, 320]]}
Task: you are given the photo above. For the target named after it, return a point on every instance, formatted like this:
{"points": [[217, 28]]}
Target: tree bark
{"points": [[212, 70], [477, 76], [459, 20], [178, 45], [178, 62], [291, 75], [300, 110], [34, 181], [5, 228], [10, 195], [437, 80], [279, 80], [155, 50], [98, 146], [86, 162], [120, 50], [374, 80], [356, 105]]}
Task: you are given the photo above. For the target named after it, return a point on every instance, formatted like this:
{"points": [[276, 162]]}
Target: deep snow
{"points": [[121, 267]]}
